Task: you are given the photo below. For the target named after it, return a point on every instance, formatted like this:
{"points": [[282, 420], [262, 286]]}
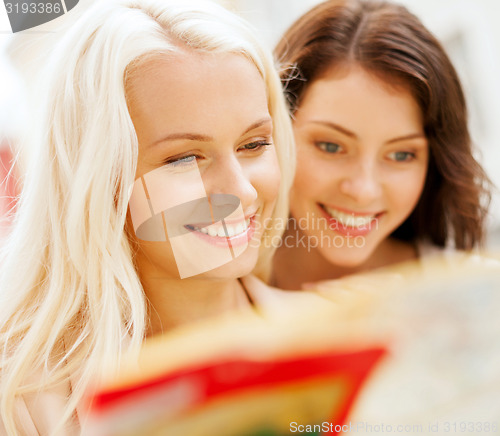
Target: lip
{"points": [[248, 216], [352, 212], [344, 230], [223, 241]]}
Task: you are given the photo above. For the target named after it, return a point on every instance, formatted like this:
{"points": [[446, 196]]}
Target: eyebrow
{"points": [[207, 138], [347, 132], [407, 138], [336, 127], [257, 124]]}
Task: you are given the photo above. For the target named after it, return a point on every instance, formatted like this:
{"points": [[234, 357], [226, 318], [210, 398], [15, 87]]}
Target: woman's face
{"points": [[362, 163], [207, 169]]}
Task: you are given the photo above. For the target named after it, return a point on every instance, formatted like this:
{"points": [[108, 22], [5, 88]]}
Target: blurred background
{"points": [[467, 28]]}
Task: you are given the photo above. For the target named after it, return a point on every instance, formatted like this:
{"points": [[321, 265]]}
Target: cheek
{"points": [[266, 177], [407, 189], [313, 175]]}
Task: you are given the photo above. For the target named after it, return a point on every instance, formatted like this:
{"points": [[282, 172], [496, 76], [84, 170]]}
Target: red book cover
{"points": [[238, 397]]}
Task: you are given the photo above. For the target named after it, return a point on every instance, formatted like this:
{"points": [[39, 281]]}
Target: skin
{"points": [[212, 110], [361, 151]]}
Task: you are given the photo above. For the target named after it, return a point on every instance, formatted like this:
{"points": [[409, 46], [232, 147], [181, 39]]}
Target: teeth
{"points": [[218, 231], [350, 220]]}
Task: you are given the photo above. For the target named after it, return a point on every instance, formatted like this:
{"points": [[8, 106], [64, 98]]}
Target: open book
{"points": [[406, 348], [239, 397], [245, 375]]}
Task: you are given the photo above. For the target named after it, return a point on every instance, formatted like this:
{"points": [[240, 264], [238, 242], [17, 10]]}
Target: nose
{"points": [[362, 182], [229, 177]]}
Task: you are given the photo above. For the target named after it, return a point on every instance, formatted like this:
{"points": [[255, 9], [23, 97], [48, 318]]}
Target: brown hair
{"points": [[389, 41]]}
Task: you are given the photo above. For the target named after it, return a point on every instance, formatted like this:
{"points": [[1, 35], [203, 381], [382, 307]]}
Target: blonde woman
{"points": [[145, 101]]}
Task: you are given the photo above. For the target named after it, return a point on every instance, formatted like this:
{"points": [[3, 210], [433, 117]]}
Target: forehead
{"points": [[187, 88], [355, 97]]}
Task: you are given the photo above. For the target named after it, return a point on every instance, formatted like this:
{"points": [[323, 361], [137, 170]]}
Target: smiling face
{"points": [[362, 163], [206, 164]]}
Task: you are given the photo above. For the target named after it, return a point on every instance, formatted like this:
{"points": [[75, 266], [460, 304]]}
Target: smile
{"points": [[350, 220], [350, 224], [235, 234], [219, 231]]}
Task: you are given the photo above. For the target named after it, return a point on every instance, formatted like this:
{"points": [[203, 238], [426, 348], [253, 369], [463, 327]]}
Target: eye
{"points": [[328, 147], [256, 146], [181, 161], [401, 156]]}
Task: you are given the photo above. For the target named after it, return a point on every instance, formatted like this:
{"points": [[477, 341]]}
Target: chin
{"points": [[347, 257], [239, 267]]}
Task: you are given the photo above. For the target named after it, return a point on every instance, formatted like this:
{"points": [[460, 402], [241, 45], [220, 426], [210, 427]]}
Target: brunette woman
{"points": [[385, 168]]}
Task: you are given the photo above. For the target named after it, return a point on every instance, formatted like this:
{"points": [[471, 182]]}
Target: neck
{"points": [[296, 264], [175, 302]]}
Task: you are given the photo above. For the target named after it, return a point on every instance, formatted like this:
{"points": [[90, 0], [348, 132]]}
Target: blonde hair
{"points": [[69, 292]]}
